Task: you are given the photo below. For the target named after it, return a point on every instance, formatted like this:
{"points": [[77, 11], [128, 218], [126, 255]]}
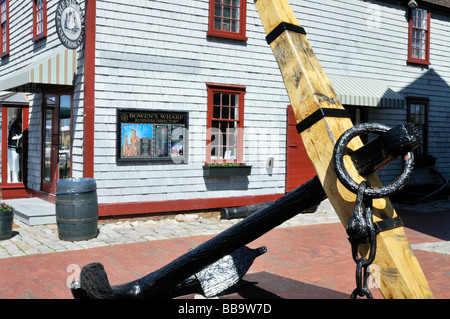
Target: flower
{"points": [[233, 164], [4, 207]]}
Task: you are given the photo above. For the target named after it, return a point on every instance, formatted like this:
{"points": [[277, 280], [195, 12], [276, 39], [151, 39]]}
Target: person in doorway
{"points": [[14, 148]]}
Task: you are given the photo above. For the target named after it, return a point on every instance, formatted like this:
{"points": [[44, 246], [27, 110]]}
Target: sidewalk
{"points": [[300, 261], [31, 240]]}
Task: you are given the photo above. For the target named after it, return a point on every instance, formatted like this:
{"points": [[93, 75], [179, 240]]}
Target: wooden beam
{"points": [[310, 90]]}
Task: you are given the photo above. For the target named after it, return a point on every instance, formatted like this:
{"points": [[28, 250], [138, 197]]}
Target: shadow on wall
{"points": [[437, 134]]}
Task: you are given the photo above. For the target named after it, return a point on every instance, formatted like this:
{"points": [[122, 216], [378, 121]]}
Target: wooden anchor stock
{"points": [[321, 121], [171, 279]]}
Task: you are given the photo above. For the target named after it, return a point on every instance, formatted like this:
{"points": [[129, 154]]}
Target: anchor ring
{"points": [[338, 161]]}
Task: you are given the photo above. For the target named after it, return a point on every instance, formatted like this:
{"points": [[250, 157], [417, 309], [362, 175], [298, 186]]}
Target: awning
{"points": [[57, 68], [13, 98], [365, 92]]}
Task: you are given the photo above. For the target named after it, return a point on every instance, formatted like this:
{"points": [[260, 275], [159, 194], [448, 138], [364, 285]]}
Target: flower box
{"points": [[226, 171]]}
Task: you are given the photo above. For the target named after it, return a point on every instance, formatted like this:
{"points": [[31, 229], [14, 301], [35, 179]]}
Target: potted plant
{"points": [[225, 169], [6, 221]]}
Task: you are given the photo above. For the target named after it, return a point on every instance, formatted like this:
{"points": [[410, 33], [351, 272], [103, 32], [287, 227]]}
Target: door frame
{"points": [[14, 190], [49, 187]]}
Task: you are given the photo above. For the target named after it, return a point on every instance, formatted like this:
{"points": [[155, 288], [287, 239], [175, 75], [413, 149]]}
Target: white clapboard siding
{"points": [[157, 55]]}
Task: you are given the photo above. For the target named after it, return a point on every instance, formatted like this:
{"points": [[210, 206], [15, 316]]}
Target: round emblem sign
{"points": [[70, 23]]}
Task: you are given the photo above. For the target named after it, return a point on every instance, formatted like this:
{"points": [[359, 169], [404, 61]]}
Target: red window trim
{"points": [[241, 35], [424, 101], [43, 34], [425, 61], [6, 52], [230, 89]]}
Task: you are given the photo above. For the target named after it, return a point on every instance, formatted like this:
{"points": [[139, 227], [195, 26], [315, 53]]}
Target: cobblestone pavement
{"points": [[31, 240]]}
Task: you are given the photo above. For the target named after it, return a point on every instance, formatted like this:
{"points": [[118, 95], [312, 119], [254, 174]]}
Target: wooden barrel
{"points": [[76, 208]]}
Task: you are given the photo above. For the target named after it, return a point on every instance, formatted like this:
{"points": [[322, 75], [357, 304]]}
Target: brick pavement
{"points": [[31, 240], [300, 261]]}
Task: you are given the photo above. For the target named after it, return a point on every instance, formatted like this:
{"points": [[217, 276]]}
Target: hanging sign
{"points": [[69, 23]]}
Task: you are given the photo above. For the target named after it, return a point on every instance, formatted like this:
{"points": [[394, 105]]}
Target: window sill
{"points": [[39, 37], [4, 55], [418, 62], [227, 35], [226, 171]]}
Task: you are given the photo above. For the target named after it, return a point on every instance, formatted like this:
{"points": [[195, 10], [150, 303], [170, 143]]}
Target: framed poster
{"points": [[144, 135]]}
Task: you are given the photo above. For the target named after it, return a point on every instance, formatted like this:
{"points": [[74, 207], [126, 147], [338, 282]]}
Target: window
{"points": [[417, 113], [225, 126], [227, 18], [419, 36], [4, 27], [13, 143], [39, 19]]}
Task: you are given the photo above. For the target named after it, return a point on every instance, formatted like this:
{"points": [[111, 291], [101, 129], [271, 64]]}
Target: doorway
{"points": [[57, 140], [13, 150], [299, 168]]}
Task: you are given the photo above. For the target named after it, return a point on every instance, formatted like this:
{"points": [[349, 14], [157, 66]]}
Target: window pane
{"points": [[233, 99], [64, 136], [232, 152], [225, 113], [15, 145], [216, 112], [417, 114], [216, 99], [232, 140], [233, 113], [227, 12], [217, 24], [226, 25], [235, 26], [424, 21], [235, 14], [3, 10], [218, 10], [226, 99], [48, 144], [223, 127]]}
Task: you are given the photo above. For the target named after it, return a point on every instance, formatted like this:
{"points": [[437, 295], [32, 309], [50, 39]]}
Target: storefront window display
{"points": [[15, 145]]}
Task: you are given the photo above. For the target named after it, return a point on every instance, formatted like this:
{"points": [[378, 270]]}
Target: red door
{"points": [[299, 168]]}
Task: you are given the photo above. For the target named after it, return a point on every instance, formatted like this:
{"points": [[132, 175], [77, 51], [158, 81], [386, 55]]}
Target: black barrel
{"points": [[6, 224], [76, 208]]}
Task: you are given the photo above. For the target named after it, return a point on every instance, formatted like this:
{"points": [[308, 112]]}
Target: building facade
{"points": [[156, 92]]}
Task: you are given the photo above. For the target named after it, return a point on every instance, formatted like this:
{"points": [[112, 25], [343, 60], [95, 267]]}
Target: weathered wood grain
{"points": [[309, 89]]}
